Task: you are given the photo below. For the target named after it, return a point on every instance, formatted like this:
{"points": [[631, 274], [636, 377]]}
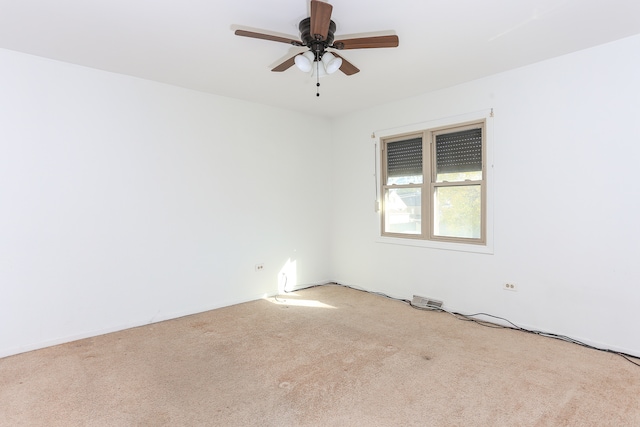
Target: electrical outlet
{"points": [[259, 267], [510, 287]]}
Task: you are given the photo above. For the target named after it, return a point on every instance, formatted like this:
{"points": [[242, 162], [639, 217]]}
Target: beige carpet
{"points": [[350, 359]]}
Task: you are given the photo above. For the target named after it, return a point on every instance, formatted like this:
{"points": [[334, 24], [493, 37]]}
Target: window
{"points": [[434, 184]]}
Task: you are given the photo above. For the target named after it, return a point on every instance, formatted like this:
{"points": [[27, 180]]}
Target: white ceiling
{"points": [[190, 43]]}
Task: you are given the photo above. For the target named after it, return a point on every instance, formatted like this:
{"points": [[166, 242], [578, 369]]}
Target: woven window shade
{"points": [[459, 151], [404, 158]]}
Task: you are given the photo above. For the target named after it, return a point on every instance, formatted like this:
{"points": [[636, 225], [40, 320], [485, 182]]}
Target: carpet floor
{"points": [[325, 356]]}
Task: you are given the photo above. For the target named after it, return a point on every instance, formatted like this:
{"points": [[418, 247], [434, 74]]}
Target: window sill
{"points": [[431, 244]]}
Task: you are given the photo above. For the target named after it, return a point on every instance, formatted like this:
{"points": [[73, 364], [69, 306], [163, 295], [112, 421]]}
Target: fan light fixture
{"points": [[329, 63], [318, 70], [305, 61]]}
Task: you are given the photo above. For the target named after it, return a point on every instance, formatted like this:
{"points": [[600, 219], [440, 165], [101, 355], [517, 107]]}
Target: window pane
{"points": [[458, 211], [403, 210], [404, 162], [459, 156]]}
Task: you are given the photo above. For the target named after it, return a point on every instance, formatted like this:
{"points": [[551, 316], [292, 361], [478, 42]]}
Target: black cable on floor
{"points": [[471, 318]]}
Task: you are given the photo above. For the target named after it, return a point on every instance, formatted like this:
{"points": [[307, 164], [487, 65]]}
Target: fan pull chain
{"points": [[318, 78]]}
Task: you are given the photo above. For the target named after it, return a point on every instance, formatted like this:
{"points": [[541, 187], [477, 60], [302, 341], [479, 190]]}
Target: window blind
{"points": [[459, 151], [404, 158]]}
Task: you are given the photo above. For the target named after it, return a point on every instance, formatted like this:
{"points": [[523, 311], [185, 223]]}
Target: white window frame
{"points": [[427, 128]]}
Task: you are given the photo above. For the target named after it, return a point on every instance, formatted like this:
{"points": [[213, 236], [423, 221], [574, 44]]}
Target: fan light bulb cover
{"points": [[331, 63], [304, 61], [318, 70]]}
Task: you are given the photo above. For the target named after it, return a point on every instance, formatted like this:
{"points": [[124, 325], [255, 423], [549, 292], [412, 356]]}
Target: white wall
{"points": [[124, 201], [567, 205]]}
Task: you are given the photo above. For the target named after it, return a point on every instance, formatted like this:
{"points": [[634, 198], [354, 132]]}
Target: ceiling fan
{"points": [[317, 34]]}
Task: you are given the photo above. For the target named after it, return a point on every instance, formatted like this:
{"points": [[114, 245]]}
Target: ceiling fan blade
{"points": [[347, 67], [286, 64], [367, 42], [262, 36], [320, 18]]}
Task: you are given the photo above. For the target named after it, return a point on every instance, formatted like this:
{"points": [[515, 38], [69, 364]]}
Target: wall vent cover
{"points": [[425, 302]]}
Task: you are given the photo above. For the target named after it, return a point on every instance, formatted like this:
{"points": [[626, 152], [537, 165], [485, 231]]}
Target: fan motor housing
{"points": [[316, 46]]}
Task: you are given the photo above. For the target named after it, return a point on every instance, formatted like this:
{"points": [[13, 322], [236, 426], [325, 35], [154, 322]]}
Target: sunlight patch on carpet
{"points": [[297, 302]]}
